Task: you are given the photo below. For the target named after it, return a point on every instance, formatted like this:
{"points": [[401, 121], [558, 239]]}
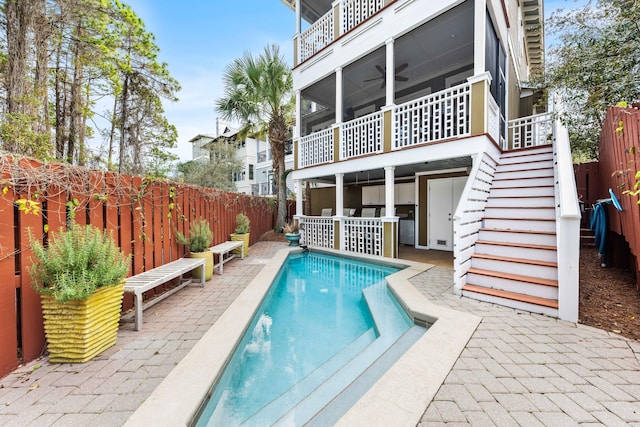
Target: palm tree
{"points": [[258, 94]]}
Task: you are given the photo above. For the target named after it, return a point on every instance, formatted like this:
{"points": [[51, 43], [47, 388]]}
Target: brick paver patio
{"points": [[518, 368]]}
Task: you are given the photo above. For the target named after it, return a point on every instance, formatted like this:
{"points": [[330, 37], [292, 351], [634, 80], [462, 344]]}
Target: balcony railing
{"points": [[355, 12], [322, 32], [317, 36], [263, 156], [441, 115], [531, 131], [316, 148], [362, 136]]}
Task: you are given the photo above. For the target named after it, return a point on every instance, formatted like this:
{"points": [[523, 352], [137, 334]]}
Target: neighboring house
{"points": [[246, 150], [265, 184], [417, 114]]}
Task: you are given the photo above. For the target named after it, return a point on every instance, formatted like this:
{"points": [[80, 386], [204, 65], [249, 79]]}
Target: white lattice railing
{"points": [[494, 120], [362, 136], [441, 115], [316, 148], [317, 231], [363, 235], [531, 131], [317, 36], [356, 11]]}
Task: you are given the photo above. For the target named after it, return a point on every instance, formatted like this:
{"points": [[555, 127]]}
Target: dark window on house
{"points": [[250, 171], [496, 65]]}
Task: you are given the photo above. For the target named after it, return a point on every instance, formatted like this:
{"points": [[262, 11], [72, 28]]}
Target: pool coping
{"points": [[400, 396]]}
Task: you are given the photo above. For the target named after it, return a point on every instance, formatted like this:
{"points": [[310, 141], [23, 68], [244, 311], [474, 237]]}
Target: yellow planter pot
{"points": [[79, 330], [241, 238], [208, 265]]}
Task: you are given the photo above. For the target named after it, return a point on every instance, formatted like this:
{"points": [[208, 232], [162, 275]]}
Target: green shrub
{"points": [[242, 224], [76, 263], [200, 236]]}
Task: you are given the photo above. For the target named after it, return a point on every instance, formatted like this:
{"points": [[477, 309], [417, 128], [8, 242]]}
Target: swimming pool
{"points": [[324, 321], [399, 397]]}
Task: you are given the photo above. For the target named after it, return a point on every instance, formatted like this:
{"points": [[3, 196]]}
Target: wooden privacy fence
{"points": [[618, 162], [143, 215]]}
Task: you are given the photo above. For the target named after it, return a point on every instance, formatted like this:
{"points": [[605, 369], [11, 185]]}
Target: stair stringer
{"points": [[467, 219]]}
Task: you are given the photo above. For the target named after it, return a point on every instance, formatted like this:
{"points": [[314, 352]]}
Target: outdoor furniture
{"points": [[368, 213], [223, 250], [140, 283], [326, 212], [348, 211]]}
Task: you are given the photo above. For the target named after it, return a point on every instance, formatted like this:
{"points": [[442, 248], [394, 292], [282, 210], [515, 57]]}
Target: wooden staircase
{"points": [[515, 260]]}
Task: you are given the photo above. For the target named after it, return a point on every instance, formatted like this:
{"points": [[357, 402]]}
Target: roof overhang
{"points": [[532, 22]]}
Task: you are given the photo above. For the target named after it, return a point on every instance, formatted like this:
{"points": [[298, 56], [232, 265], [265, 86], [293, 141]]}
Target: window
{"points": [[496, 64], [250, 171]]}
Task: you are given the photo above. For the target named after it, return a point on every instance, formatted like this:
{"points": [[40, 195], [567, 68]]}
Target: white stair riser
{"points": [[518, 305], [531, 270], [531, 182], [520, 252], [527, 191], [522, 225], [506, 212], [546, 149], [505, 236], [530, 158], [525, 288], [538, 173], [529, 165], [512, 202]]}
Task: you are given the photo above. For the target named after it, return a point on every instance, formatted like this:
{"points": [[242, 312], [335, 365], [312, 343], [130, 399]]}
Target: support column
{"points": [[390, 73], [389, 221], [338, 225], [296, 38], [479, 35], [339, 193], [480, 103], [296, 130], [298, 184], [389, 191], [339, 95]]}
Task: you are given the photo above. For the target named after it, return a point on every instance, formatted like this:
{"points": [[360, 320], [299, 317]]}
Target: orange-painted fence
{"points": [[618, 163], [143, 215]]}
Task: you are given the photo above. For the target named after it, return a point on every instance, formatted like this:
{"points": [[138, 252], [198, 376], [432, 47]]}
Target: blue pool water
{"points": [[315, 332]]}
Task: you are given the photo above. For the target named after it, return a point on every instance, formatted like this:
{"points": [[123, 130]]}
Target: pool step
{"points": [[392, 324], [272, 411], [305, 399], [334, 410]]}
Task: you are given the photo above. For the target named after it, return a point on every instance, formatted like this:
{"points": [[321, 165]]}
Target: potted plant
{"points": [[80, 278], [199, 240], [241, 233], [292, 232]]}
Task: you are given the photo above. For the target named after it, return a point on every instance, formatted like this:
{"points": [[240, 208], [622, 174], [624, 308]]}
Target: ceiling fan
{"points": [[383, 75]]}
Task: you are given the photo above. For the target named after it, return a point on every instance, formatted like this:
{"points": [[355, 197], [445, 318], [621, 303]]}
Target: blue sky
{"points": [[198, 38]]}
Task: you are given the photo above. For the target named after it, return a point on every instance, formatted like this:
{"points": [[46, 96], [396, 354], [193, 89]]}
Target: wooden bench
{"points": [[149, 279], [225, 249]]}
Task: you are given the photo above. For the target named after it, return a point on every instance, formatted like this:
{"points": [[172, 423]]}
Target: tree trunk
{"points": [[123, 121], [75, 112], [42, 31], [18, 19]]}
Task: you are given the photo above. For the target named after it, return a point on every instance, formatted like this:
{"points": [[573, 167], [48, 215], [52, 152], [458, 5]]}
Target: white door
{"points": [[443, 197]]}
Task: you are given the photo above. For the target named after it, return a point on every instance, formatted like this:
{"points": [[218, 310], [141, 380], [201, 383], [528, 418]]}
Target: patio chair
{"points": [[368, 212], [327, 212], [383, 210], [348, 212]]}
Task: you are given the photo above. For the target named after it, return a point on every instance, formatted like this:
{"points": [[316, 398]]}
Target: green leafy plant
{"points": [[76, 263], [200, 236], [242, 224]]}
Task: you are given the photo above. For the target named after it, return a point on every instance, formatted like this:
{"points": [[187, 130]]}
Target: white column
{"points": [[389, 191], [298, 126], [479, 35], [339, 95], [298, 17], [390, 71], [339, 193], [298, 183]]}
